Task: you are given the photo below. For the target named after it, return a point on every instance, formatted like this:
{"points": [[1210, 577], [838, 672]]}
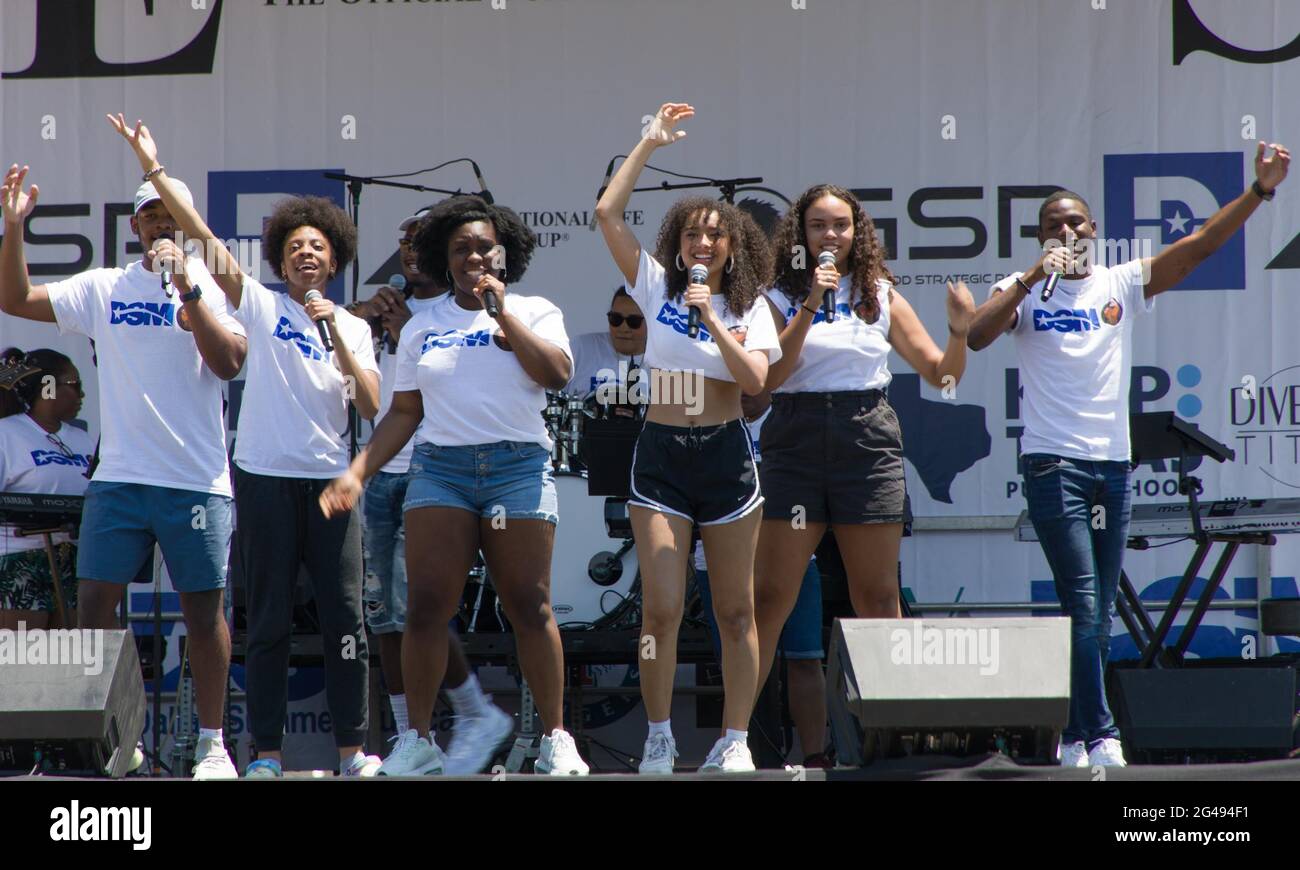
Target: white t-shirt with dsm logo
{"points": [[473, 388], [33, 460], [295, 405], [159, 404], [1075, 351]]}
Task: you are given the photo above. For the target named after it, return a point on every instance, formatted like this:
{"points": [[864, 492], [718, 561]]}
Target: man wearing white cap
{"points": [[481, 727], [163, 477]]}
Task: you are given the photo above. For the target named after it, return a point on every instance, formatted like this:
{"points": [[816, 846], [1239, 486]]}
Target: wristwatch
{"points": [[195, 293], [1259, 191]]}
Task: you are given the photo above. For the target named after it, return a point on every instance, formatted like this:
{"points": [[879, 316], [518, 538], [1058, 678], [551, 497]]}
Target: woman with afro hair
{"points": [[471, 387], [693, 463], [290, 444], [832, 447]]}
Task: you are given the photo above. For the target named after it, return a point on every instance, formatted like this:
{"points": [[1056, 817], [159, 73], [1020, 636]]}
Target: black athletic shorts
{"points": [[833, 458], [706, 474]]}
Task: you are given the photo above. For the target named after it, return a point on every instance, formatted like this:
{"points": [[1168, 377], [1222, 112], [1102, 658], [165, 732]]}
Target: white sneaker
{"points": [[412, 756], [660, 751], [211, 761], [559, 756], [364, 766], [728, 756], [1073, 754], [476, 739], [1107, 753]]}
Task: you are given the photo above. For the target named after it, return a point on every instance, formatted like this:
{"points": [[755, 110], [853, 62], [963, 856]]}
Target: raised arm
{"points": [[17, 295], [227, 273], [1177, 261], [913, 343], [609, 211]]}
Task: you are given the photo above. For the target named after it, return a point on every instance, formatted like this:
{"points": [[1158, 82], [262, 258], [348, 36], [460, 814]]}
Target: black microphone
{"points": [[699, 275], [164, 272], [827, 258], [490, 304], [482, 188], [604, 185], [320, 324], [1049, 286], [398, 283]]}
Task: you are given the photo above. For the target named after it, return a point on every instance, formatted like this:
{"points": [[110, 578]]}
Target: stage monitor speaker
{"points": [[891, 676], [88, 705], [1211, 707]]}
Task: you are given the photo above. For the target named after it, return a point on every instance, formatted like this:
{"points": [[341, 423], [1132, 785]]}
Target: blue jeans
{"points": [[1085, 549], [385, 542], [801, 636]]}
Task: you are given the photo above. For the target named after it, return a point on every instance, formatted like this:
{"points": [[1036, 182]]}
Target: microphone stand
{"points": [[356, 184], [726, 185]]}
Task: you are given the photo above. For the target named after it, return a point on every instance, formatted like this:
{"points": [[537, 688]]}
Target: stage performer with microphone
{"points": [[480, 726], [710, 337], [163, 352], [832, 447], [471, 387], [306, 361], [1074, 351]]}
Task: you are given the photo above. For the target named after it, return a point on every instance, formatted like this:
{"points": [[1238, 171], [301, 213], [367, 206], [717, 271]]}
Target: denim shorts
{"points": [[385, 548], [121, 522], [508, 479]]}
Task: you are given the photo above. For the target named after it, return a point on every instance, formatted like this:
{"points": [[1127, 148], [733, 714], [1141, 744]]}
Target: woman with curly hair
{"points": [[832, 448], [40, 454], [289, 446], [471, 387], [693, 462]]}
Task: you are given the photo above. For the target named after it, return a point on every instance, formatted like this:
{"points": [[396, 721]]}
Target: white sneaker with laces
{"points": [[1108, 753], [559, 756], [412, 755], [365, 766], [1074, 754], [211, 761], [659, 754], [728, 756], [476, 739]]}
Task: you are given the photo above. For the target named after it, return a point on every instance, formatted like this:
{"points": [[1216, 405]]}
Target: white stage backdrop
{"points": [[950, 119]]}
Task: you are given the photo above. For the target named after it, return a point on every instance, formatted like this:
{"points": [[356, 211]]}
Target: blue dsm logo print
{"points": [[1166, 197]]}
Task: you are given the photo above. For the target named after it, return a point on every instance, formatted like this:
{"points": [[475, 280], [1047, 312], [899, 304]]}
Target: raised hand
{"points": [[17, 205], [146, 150], [961, 308], [1271, 170], [662, 130]]}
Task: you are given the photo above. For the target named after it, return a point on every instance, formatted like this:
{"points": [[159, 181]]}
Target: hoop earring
{"points": [[679, 262], [451, 284], [731, 263]]}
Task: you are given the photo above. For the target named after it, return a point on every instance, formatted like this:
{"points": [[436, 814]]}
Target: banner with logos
{"points": [[950, 120]]}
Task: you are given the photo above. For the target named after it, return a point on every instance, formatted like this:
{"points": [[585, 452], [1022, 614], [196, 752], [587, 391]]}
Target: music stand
{"points": [[1162, 435]]}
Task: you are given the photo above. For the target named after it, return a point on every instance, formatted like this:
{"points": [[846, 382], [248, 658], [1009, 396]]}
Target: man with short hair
{"points": [[608, 356], [1074, 352], [163, 476]]}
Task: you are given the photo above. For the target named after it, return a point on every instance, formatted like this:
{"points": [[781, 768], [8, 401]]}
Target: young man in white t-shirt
{"points": [[1074, 350], [163, 352]]}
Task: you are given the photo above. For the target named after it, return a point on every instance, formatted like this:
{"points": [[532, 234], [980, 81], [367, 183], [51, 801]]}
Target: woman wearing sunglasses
{"points": [[41, 455]]}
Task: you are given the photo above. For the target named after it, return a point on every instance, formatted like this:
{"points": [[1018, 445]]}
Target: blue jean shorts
{"points": [[507, 479], [385, 546], [121, 522]]}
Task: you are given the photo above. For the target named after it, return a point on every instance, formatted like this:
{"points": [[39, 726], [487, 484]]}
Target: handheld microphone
{"points": [[164, 272], [1049, 286], [320, 324], [398, 283], [826, 258], [699, 275]]}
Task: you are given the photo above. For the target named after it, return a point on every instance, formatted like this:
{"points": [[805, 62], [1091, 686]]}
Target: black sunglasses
{"points": [[633, 320]]}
